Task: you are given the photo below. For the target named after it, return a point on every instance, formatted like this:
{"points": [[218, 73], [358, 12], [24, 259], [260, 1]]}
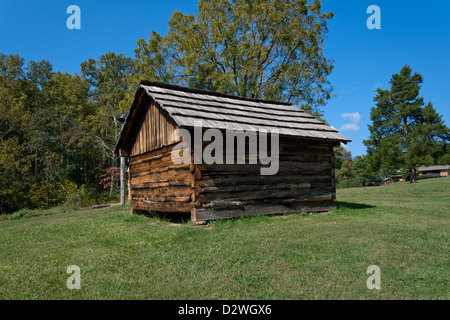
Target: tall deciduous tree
{"points": [[405, 132], [45, 137], [15, 112], [110, 80], [271, 49]]}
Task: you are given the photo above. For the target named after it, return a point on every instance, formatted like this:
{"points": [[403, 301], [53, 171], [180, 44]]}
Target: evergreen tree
{"points": [[405, 132]]}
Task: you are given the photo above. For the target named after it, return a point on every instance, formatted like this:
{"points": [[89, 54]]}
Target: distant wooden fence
{"points": [[100, 206]]}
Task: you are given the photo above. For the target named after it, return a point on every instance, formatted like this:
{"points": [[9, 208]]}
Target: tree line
{"points": [[58, 130]]}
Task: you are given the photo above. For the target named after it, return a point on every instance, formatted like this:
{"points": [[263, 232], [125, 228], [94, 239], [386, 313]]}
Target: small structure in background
{"points": [[398, 178], [434, 171], [380, 182]]}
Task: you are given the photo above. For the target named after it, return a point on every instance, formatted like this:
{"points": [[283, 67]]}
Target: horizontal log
{"points": [[167, 176], [162, 206], [148, 166], [300, 150], [304, 161], [158, 170], [298, 194], [282, 171], [288, 142], [157, 184], [161, 192], [296, 141], [325, 184], [233, 180], [156, 198], [160, 159], [240, 188], [312, 146], [256, 167], [290, 154], [286, 202]]}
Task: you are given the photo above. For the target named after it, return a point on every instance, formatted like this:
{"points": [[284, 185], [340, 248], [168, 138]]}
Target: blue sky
{"points": [[412, 32]]}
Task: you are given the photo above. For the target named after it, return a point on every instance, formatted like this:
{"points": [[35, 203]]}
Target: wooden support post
{"points": [[333, 173], [194, 218], [122, 180]]}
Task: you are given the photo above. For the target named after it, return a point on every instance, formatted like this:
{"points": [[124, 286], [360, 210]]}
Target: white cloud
{"points": [[349, 127], [354, 117]]}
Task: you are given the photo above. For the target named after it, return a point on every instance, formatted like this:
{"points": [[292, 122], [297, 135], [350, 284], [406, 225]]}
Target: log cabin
{"points": [[304, 178]]}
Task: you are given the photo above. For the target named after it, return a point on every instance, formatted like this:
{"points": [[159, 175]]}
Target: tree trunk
{"points": [[112, 182], [47, 191], [36, 166], [122, 180], [412, 173]]}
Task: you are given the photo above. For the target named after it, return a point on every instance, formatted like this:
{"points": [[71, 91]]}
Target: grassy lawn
{"points": [[401, 228]]}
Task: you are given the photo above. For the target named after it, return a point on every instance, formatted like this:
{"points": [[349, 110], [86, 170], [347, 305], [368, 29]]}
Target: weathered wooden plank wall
{"points": [[156, 128]]}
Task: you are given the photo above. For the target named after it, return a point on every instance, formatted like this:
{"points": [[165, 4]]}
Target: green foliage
{"points": [[54, 127], [43, 195], [444, 159], [110, 80], [88, 196], [362, 170], [352, 182], [343, 165], [23, 213], [351, 172], [345, 172], [259, 49], [404, 132]]}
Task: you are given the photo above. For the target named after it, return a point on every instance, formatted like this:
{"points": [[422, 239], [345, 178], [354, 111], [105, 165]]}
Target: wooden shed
{"points": [[304, 180]]}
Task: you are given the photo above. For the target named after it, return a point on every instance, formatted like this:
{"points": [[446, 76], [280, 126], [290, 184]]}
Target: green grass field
{"points": [[402, 228]]}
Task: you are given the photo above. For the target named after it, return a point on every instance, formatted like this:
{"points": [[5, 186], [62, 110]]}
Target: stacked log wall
{"points": [[159, 185], [304, 182]]}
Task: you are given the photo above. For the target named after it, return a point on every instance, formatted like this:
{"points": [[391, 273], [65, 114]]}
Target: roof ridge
{"points": [[209, 92]]}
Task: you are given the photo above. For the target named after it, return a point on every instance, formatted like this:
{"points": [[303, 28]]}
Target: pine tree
{"points": [[405, 132]]}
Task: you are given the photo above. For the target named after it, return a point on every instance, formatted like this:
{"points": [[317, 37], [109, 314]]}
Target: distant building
{"points": [[434, 171], [381, 181], [398, 178]]}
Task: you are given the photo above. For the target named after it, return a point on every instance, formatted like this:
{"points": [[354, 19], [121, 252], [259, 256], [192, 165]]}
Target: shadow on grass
{"points": [[171, 217], [350, 205]]}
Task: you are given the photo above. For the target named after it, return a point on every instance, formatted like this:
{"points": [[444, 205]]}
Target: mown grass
{"points": [[401, 228]]}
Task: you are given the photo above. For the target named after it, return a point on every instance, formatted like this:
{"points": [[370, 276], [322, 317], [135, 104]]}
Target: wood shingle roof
{"points": [[221, 111]]}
